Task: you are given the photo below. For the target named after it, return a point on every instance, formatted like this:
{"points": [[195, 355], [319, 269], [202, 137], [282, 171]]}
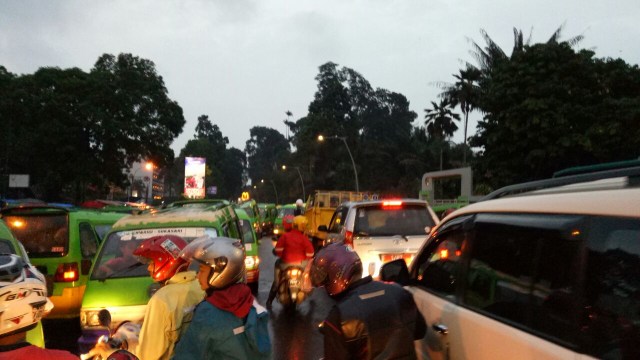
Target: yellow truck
{"points": [[320, 207]]}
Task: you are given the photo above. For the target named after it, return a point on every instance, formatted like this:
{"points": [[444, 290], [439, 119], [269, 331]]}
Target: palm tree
{"points": [[439, 122], [464, 93]]}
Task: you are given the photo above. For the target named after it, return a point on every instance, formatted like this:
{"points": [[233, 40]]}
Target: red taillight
{"points": [[392, 204], [67, 272], [348, 238]]}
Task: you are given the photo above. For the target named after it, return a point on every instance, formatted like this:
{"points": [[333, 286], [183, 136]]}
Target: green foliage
{"points": [[72, 130], [555, 108]]}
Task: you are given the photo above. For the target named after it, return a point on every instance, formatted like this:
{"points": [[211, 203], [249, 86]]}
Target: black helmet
{"points": [[335, 267]]}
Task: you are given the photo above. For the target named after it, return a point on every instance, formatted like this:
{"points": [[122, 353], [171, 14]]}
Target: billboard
{"points": [[194, 171]]}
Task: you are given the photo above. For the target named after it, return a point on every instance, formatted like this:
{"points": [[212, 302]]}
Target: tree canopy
{"points": [[70, 129]]}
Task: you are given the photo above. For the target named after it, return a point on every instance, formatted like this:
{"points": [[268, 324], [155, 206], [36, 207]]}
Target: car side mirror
{"points": [[323, 228], [395, 271]]}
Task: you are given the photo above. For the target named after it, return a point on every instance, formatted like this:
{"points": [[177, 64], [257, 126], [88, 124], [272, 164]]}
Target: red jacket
{"points": [[294, 247]]}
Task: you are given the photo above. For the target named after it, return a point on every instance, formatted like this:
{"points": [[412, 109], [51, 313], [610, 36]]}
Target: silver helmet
{"points": [[224, 255]]}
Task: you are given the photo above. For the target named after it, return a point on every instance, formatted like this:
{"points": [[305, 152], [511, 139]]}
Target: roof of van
{"points": [[178, 215], [619, 202]]}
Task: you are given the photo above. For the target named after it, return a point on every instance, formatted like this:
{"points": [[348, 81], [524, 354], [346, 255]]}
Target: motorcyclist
{"points": [[370, 319], [287, 225], [170, 309], [293, 248], [299, 210], [22, 304], [229, 323]]}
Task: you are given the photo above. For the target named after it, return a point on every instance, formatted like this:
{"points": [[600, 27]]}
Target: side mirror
{"points": [[395, 271], [323, 228]]}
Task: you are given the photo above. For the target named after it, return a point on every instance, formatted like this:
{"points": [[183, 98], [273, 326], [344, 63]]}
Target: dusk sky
{"points": [[245, 63]]}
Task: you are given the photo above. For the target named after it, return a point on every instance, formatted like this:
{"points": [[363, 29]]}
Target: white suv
{"points": [[542, 274], [381, 230]]}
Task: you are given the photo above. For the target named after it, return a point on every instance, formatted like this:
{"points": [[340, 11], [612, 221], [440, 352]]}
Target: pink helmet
{"points": [[335, 267], [164, 251]]}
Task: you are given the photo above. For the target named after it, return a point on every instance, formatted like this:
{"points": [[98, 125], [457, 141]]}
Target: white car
{"points": [[382, 230], [539, 275]]}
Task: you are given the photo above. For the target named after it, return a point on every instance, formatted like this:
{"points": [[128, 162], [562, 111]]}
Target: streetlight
{"points": [[304, 195], [344, 140], [147, 166], [274, 189]]}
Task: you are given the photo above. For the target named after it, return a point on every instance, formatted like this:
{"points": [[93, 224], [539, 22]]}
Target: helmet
{"points": [[300, 223], [335, 267], [23, 299], [299, 202], [287, 222], [164, 251], [224, 255]]}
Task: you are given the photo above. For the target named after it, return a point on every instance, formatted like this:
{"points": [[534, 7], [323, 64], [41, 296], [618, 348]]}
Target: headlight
{"points": [[251, 262], [89, 318]]}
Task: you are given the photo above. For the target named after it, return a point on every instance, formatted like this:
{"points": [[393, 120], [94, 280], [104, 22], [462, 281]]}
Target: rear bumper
{"points": [[68, 304]]}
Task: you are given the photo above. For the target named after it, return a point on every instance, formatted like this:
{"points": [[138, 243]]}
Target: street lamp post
{"points": [[274, 189], [147, 166], [353, 163], [304, 195]]}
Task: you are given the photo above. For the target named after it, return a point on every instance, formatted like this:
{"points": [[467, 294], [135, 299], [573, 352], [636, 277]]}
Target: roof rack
{"points": [[580, 177]]}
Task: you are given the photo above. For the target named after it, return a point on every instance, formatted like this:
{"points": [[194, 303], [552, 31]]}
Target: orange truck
{"points": [[320, 207]]}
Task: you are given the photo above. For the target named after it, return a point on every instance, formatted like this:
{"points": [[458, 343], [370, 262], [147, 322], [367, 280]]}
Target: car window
{"points": [[285, 211], [407, 219], [88, 240], [610, 324], [116, 255], [6, 247], [102, 230], [524, 269], [438, 266], [246, 230], [337, 221], [42, 235]]}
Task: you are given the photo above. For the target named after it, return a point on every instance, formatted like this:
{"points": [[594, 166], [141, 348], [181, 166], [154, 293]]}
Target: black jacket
{"points": [[372, 320]]}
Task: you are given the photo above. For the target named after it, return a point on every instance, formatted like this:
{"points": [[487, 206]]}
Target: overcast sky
{"points": [[245, 63]]}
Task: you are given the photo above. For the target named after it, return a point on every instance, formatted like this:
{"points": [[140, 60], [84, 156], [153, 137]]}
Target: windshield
{"points": [[404, 220], [116, 259], [249, 211], [285, 211], [43, 235]]}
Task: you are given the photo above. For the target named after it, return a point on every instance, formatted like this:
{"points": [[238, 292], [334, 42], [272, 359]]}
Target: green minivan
{"points": [[61, 243], [251, 207], [9, 245], [125, 291], [268, 215], [250, 241]]}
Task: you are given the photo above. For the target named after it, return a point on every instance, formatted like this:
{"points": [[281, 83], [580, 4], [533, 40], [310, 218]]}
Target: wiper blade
{"points": [[121, 271]]}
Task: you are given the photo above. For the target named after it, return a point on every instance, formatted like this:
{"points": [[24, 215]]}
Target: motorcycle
{"points": [[116, 346], [291, 291]]}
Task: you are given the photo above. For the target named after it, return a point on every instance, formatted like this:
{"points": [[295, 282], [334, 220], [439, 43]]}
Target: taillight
{"points": [[392, 204], [348, 238], [67, 272]]}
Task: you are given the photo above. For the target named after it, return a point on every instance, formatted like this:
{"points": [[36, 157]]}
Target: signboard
{"points": [[194, 171], [18, 181]]}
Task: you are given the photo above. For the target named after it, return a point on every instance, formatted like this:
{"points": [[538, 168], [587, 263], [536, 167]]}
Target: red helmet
{"points": [[287, 222], [164, 251], [335, 266]]}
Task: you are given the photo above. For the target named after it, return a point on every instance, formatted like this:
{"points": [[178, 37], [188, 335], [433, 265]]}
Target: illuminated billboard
{"points": [[194, 171]]}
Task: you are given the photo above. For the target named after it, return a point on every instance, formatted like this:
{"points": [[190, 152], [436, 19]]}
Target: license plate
{"points": [[390, 257], [294, 283]]}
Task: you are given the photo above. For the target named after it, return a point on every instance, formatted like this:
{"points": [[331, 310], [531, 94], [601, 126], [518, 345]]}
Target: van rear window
{"points": [[406, 219], [42, 235]]}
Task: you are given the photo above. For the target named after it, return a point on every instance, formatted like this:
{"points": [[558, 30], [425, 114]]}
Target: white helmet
{"points": [[224, 255], [299, 202], [23, 295]]}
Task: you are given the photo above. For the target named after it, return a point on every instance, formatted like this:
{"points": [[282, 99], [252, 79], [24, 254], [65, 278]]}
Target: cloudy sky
{"points": [[246, 62]]}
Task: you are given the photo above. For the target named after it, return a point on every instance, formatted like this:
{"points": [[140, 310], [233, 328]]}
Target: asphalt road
{"points": [[294, 334]]}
